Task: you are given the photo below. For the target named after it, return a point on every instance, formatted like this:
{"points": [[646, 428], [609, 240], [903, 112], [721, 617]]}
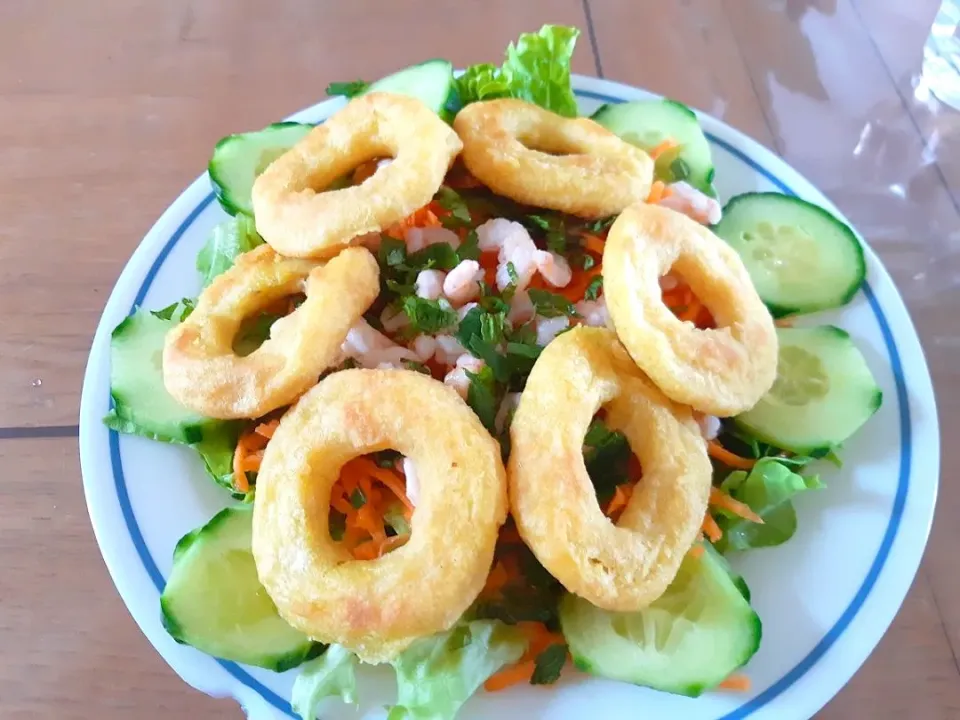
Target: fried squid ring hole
{"points": [[721, 371], [627, 565], [540, 158], [200, 368], [299, 218], [376, 608]]}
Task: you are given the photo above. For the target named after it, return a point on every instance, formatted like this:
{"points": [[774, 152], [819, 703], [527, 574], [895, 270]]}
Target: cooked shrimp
{"points": [[463, 282], [448, 349], [492, 234], [521, 308], [554, 269], [458, 378], [370, 348], [593, 312], [518, 256], [549, 328], [424, 346], [686, 199], [709, 425], [429, 284], [417, 238], [464, 309]]}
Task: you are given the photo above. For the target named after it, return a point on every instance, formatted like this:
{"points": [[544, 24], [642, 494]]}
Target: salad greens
{"points": [[536, 69], [437, 674], [229, 239], [767, 489]]}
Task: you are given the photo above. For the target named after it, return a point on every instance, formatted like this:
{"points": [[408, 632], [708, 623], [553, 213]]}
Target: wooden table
{"points": [[109, 109]]}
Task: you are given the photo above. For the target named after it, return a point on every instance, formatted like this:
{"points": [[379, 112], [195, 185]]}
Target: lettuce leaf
{"points": [[436, 675], [328, 675], [216, 449], [536, 69], [768, 490], [227, 240]]}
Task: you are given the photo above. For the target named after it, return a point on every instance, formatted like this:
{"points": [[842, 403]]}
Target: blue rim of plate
{"points": [[750, 706]]}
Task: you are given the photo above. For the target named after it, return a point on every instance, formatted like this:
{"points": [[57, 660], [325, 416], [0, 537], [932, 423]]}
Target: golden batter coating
{"points": [[722, 371], [540, 158], [622, 567], [376, 608], [202, 372], [299, 218]]}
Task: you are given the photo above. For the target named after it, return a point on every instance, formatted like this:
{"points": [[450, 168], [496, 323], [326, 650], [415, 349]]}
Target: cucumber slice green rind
{"points": [[238, 159], [646, 123], [431, 82], [141, 401], [801, 258], [688, 641], [214, 602], [823, 394]]}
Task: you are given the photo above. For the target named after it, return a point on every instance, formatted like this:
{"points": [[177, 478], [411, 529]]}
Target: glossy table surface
{"points": [[109, 109]]}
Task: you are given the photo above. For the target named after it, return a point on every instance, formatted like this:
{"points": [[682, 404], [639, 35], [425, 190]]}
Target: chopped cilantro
{"points": [[428, 316], [459, 213], [470, 248], [482, 396], [358, 499], [548, 304], [598, 226], [607, 456], [347, 89], [548, 664], [593, 289]]}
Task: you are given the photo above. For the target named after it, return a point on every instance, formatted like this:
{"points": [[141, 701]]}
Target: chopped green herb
{"points": [[428, 316], [470, 248], [386, 458], [598, 226], [347, 89], [587, 261], [482, 397], [416, 366], [459, 213], [548, 304], [593, 289], [512, 273], [555, 231], [548, 665], [679, 170], [606, 453], [439, 255], [358, 499], [178, 311]]}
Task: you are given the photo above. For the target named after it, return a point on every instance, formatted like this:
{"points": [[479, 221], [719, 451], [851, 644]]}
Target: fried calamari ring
{"points": [[298, 218], [622, 567], [202, 371], [376, 608], [722, 371], [540, 158]]}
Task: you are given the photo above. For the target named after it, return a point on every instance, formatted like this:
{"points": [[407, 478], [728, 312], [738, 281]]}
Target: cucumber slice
{"points": [[431, 82], [647, 123], [238, 159], [800, 257], [823, 393], [142, 404], [214, 601], [688, 641]]}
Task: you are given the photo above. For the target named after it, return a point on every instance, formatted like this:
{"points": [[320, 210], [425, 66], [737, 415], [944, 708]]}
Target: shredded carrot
{"points": [[621, 497], [691, 312], [594, 244], [386, 477], [575, 291], [660, 149], [717, 451], [720, 499], [783, 322], [240, 482], [710, 527], [509, 676], [696, 551], [424, 217], [267, 429], [656, 192], [497, 579], [738, 683]]}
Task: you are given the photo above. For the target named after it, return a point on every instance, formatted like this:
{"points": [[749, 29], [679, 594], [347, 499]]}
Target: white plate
{"points": [[825, 598]]}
